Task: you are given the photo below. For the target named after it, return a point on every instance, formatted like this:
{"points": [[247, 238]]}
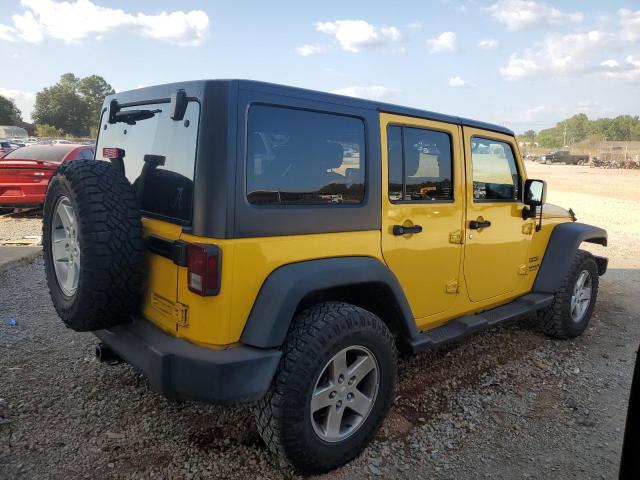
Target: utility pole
{"points": [[564, 140]]}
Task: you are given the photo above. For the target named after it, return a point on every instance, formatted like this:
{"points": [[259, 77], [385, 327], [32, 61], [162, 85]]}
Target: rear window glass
{"points": [[159, 158], [304, 157], [46, 153]]}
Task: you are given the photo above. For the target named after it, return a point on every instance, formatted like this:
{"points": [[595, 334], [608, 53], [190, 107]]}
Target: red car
{"points": [[26, 171]]}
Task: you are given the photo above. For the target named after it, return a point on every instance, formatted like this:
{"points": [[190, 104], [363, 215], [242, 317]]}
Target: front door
{"points": [[497, 238], [423, 204]]}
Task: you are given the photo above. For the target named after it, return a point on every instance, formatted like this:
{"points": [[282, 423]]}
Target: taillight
{"points": [[112, 153], [203, 269]]}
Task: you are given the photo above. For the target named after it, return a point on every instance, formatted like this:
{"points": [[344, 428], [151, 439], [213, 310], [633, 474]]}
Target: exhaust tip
{"points": [[104, 354]]}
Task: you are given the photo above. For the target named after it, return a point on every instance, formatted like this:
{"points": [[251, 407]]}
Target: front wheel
{"points": [[571, 310], [332, 390]]}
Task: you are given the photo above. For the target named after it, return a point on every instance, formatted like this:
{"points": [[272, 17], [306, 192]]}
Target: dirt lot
{"points": [[507, 403]]}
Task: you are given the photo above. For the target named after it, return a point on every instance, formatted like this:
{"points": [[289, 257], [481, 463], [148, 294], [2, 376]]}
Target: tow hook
{"points": [[104, 354]]}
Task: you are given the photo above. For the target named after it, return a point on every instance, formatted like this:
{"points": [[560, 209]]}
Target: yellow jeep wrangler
{"points": [[238, 241]]}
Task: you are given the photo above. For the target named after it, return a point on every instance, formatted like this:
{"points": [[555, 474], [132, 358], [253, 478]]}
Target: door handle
{"points": [[476, 224], [401, 230]]}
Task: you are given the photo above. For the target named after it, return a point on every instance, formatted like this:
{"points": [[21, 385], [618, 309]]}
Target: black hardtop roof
{"points": [[197, 87]]}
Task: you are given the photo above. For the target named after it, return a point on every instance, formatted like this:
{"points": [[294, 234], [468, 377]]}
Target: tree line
{"points": [[580, 127], [71, 106]]}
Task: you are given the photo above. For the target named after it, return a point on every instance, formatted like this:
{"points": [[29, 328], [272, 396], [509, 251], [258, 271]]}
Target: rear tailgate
{"points": [[158, 155], [161, 293]]}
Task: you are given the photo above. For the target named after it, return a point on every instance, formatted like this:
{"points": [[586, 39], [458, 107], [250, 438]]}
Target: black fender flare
{"points": [[284, 289], [563, 244]]}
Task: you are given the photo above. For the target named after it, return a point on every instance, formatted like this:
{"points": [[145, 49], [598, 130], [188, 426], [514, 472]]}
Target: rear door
{"points": [[159, 161], [423, 205], [497, 237]]}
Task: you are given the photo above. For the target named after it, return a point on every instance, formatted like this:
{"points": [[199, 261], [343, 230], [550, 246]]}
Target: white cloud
{"points": [[375, 92], [75, 21], [488, 44], [308, 49], [560, 55], [629, 71], [445, 42], [24, 101], [523, 14], [611, 63], [458, 82], [354, 35], [630, 24]]}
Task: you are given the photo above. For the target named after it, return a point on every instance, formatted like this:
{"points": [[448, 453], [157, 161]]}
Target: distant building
{"points": [[8, 131]]}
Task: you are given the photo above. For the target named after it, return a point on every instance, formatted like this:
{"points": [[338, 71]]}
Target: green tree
{"points": [[528, 136], [73, 104], [9, 113], [48, 131], [93, 89], [550, 138]]}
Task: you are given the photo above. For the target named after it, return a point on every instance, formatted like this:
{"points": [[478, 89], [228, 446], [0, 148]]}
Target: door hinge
{"points": [[451, 286], [522, 270], [456, 237], [527, 228], [175, 311], [181, 314]]}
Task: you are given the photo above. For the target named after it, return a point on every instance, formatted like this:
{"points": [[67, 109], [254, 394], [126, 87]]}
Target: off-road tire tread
{"points": [[554, 316], [112, 246], [309, 335]]}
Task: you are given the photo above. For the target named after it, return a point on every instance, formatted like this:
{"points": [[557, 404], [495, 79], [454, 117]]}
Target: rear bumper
{"points": [[181, 370], [23, 194]]}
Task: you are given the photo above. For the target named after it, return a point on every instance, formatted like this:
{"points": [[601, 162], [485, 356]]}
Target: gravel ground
{"points": [[506, 403], [16, 226]]}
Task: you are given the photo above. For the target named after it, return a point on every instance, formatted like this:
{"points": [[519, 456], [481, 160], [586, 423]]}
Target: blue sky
{"points": [[521, 63]]}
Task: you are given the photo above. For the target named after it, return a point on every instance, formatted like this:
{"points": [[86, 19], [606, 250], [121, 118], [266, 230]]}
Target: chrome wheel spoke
{"points": [[334, 422], [339, 367], [71, 276], [66, 215], [360, 404], [321, 398], [60, 250], [360, 368]]}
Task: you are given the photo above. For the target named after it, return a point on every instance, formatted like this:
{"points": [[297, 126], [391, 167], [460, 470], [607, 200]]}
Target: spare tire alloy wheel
{"points": [[344, 393], [65, 246], [93, 246]]}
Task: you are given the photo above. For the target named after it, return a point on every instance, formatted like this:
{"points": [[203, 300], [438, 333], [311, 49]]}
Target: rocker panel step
{"points": [[461, 327]]}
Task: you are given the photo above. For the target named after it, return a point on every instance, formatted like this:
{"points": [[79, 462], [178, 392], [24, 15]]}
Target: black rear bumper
{"points": [[181, 370]]}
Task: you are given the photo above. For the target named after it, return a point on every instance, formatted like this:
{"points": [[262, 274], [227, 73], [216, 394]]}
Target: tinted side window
{"points": [[495, 175], [420, 164], [160, 156], [304, 157], [394, 146]]}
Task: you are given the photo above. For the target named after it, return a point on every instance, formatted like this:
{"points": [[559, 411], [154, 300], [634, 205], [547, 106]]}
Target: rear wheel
{"points": [[569, 314], [333, 388]]}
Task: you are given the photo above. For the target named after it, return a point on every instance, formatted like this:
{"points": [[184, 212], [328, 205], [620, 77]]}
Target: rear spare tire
{"points": [[93, 245]]}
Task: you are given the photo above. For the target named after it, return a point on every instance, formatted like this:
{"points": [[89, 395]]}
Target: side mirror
{"points": [[535, 192]]}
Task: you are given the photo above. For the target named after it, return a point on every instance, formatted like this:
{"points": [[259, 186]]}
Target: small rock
{"points": [[375, 470]]}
